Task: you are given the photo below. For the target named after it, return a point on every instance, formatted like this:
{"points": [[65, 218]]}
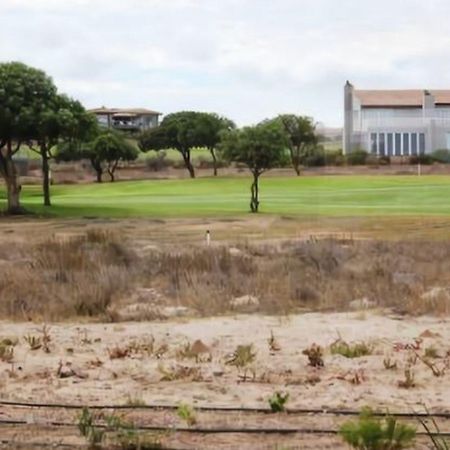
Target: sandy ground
{"points": [[100, 379], [84, 351]]}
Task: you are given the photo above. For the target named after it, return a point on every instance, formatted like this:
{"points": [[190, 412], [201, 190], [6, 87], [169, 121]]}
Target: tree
{"points": [[301, 137], [260, 148], [25, 94], [184, 131], [103, 148], [108, 149], [64, 120], [209, 128]]}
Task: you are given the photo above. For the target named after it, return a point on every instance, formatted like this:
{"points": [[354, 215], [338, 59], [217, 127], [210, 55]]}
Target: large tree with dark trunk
{"points": [[185, 131], [65, 120], [108, 149], [209, 128], [301, 137], [260, 148], [25, 95], [104, 148]]}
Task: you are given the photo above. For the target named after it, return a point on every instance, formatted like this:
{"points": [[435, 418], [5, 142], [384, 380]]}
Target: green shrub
{"points": [[186, 413], [441, 155], [350, 351], [371, 433], [158, 162], [384, 160], [357, 157], [334, 158], [277, 401], [421, 159]]}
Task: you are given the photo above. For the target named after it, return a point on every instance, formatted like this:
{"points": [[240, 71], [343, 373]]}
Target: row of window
{"points": [[397, 144]]}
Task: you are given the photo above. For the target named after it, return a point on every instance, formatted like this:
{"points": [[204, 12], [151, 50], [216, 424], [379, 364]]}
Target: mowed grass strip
{"points": [[327, 196]]}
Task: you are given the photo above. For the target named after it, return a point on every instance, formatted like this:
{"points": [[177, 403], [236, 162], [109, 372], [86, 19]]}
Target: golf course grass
{"points": [[328, 196]]}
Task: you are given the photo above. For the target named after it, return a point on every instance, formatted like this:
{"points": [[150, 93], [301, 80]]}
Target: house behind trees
{"points": [[128, 119]]}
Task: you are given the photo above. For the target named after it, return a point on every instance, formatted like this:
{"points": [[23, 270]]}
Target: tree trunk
{"points": [[187, 162], [13, 186], [214, 158], [97, 166], [254, 201], [45, 176], [112, 169], [295, 159]]}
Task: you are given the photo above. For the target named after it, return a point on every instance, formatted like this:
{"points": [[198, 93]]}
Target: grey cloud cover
{"points": [[248, 59]]}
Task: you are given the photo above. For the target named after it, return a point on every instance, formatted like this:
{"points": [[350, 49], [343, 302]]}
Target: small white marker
{"points": [[208, 238]]}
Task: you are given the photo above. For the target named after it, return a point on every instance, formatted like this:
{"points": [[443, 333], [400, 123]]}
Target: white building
{"points": [[396, 122]]}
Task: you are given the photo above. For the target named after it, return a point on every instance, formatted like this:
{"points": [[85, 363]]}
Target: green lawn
{"points": [[332, 196]]}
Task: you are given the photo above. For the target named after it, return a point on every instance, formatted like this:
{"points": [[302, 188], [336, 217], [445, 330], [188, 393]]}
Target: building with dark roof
{"points": [[128, 119], [396, 122]]}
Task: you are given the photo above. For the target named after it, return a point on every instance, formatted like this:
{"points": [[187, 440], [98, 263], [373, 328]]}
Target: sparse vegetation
{"points": [[315, 355], [278, 401], [408, 382], [357, 350], [87, 425], [86, 275], [372, 433], [186, 413], [242, 358]]}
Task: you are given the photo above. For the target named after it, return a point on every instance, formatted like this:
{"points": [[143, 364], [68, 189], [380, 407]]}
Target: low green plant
{"points": [[242, 357], [373, 433], [186, 413], [357, 350], [88, 428], [278, 401]]}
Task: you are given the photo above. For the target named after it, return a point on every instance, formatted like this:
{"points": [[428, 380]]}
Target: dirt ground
{"points": [[88, 349], [147, 363]]}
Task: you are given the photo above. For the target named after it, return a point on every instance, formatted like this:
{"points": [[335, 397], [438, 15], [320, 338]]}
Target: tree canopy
{"points": [[64, 120], [184, 131], [26, 96], [301, 137], [104, 148], [260, 148]]}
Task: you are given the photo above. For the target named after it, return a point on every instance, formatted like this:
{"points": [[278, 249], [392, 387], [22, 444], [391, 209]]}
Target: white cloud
{"points": [[246, 58]]}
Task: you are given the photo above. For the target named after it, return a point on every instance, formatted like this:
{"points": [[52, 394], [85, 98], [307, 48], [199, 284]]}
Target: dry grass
{"points": [[88, 274]]}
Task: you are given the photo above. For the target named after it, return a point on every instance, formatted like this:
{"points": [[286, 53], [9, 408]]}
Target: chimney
{"points": [[348, 117]]}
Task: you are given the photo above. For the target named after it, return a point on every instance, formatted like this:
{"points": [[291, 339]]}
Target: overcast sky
{"points": [[247, 59]]}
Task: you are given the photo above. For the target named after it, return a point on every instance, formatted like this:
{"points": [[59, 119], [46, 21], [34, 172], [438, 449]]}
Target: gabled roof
{"points": [[137, 111], [400, 98]]}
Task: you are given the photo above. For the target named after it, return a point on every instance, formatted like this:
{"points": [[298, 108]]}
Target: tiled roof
{"points": [[141, 111], [400, 98]]}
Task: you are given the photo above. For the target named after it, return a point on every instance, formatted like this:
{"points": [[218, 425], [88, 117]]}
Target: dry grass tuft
{"points": [[87, 274]]}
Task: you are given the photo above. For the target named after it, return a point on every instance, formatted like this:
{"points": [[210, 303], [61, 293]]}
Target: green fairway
{"points": [[332, 196]]}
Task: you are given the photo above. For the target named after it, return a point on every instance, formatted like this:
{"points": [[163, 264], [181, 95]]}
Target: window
{"points": [[374, 143], [406, 144], [398, 144], [422, 143], [413, 143], [390, 144], [381, 138]]}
